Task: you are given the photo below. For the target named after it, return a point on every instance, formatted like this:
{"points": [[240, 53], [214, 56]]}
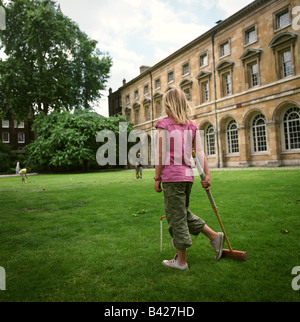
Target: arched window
{"points": [[291, 129], [210, 141], [259, 134], [232, 138]]}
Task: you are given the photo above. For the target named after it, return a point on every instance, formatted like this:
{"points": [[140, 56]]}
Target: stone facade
{"points": [[243, 81]]}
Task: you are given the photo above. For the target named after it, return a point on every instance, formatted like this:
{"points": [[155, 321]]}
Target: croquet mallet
{"points": [[230, 253]]}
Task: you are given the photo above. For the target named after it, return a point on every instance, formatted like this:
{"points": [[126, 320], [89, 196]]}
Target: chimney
{"points": [[143, 69], [124, 81]]}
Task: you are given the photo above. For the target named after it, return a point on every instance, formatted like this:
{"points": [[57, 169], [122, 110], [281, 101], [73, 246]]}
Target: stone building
{"points": [[242, 78]]}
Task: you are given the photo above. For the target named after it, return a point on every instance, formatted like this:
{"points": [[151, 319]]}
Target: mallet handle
{"points": [[211, 199]]}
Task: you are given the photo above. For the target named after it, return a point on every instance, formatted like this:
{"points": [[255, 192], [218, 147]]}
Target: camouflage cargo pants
{"points": [[182, 222]]}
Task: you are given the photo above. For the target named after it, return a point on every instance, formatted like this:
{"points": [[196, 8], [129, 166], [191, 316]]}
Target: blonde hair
{"points": [[177, 106]]}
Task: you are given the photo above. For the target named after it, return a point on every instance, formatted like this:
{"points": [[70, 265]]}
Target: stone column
{"points": [[274, 139], [244, 144]]}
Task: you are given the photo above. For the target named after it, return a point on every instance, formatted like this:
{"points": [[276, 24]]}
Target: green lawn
{"points": [[83, 239]]}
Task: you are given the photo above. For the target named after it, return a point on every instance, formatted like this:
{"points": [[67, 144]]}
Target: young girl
{"points": [[177, 178]]}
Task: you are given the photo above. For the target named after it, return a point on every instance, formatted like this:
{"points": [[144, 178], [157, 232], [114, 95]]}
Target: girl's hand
{"points": [[206, 183], [157, 186]]}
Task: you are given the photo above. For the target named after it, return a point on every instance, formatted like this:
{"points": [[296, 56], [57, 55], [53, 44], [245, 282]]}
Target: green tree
{"points": [[68, 140], [8, 158], [51, 63]]}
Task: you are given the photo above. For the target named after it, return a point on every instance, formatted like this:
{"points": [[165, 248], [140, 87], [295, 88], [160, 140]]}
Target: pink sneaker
{"points": [[218, 246]]}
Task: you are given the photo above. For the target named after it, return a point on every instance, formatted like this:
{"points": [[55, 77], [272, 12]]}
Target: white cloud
{"points": [[121, 17], [166, 26], [232, 6], [206, 4]]}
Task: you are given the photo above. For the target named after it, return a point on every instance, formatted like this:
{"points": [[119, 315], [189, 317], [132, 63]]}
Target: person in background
{"points": [[23, 174], [139, 167]]}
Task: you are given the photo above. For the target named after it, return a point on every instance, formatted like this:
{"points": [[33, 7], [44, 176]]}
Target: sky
{"points": [[143, 32]]}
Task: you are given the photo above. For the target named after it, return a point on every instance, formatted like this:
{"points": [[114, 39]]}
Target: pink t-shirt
{"points": [[177, 151]]}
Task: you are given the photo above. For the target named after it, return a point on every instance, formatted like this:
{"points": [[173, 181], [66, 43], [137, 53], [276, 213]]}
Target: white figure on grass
{"points": [[18, 168]]}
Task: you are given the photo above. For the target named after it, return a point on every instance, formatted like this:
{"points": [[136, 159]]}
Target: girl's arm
{"points": [[158, 165], [203, 161]]}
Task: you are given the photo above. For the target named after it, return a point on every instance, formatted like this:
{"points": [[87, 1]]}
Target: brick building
{"points": [[243, 80], [16, 133]]}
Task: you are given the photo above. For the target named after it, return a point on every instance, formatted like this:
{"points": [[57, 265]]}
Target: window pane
{"points": [[259, 134], [137, 117], [146, 90], [225, 49], [292, 129], [5, 124], [287, 63], [203, 60], [19, 125], [206, 92], [21, 138], [254, 75], [188, 94], [227, 84], [157, 84], [186, 69], [158, 109], [283, 19], [5, 137], [210, 141], [232, 138], [250, 35]]}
